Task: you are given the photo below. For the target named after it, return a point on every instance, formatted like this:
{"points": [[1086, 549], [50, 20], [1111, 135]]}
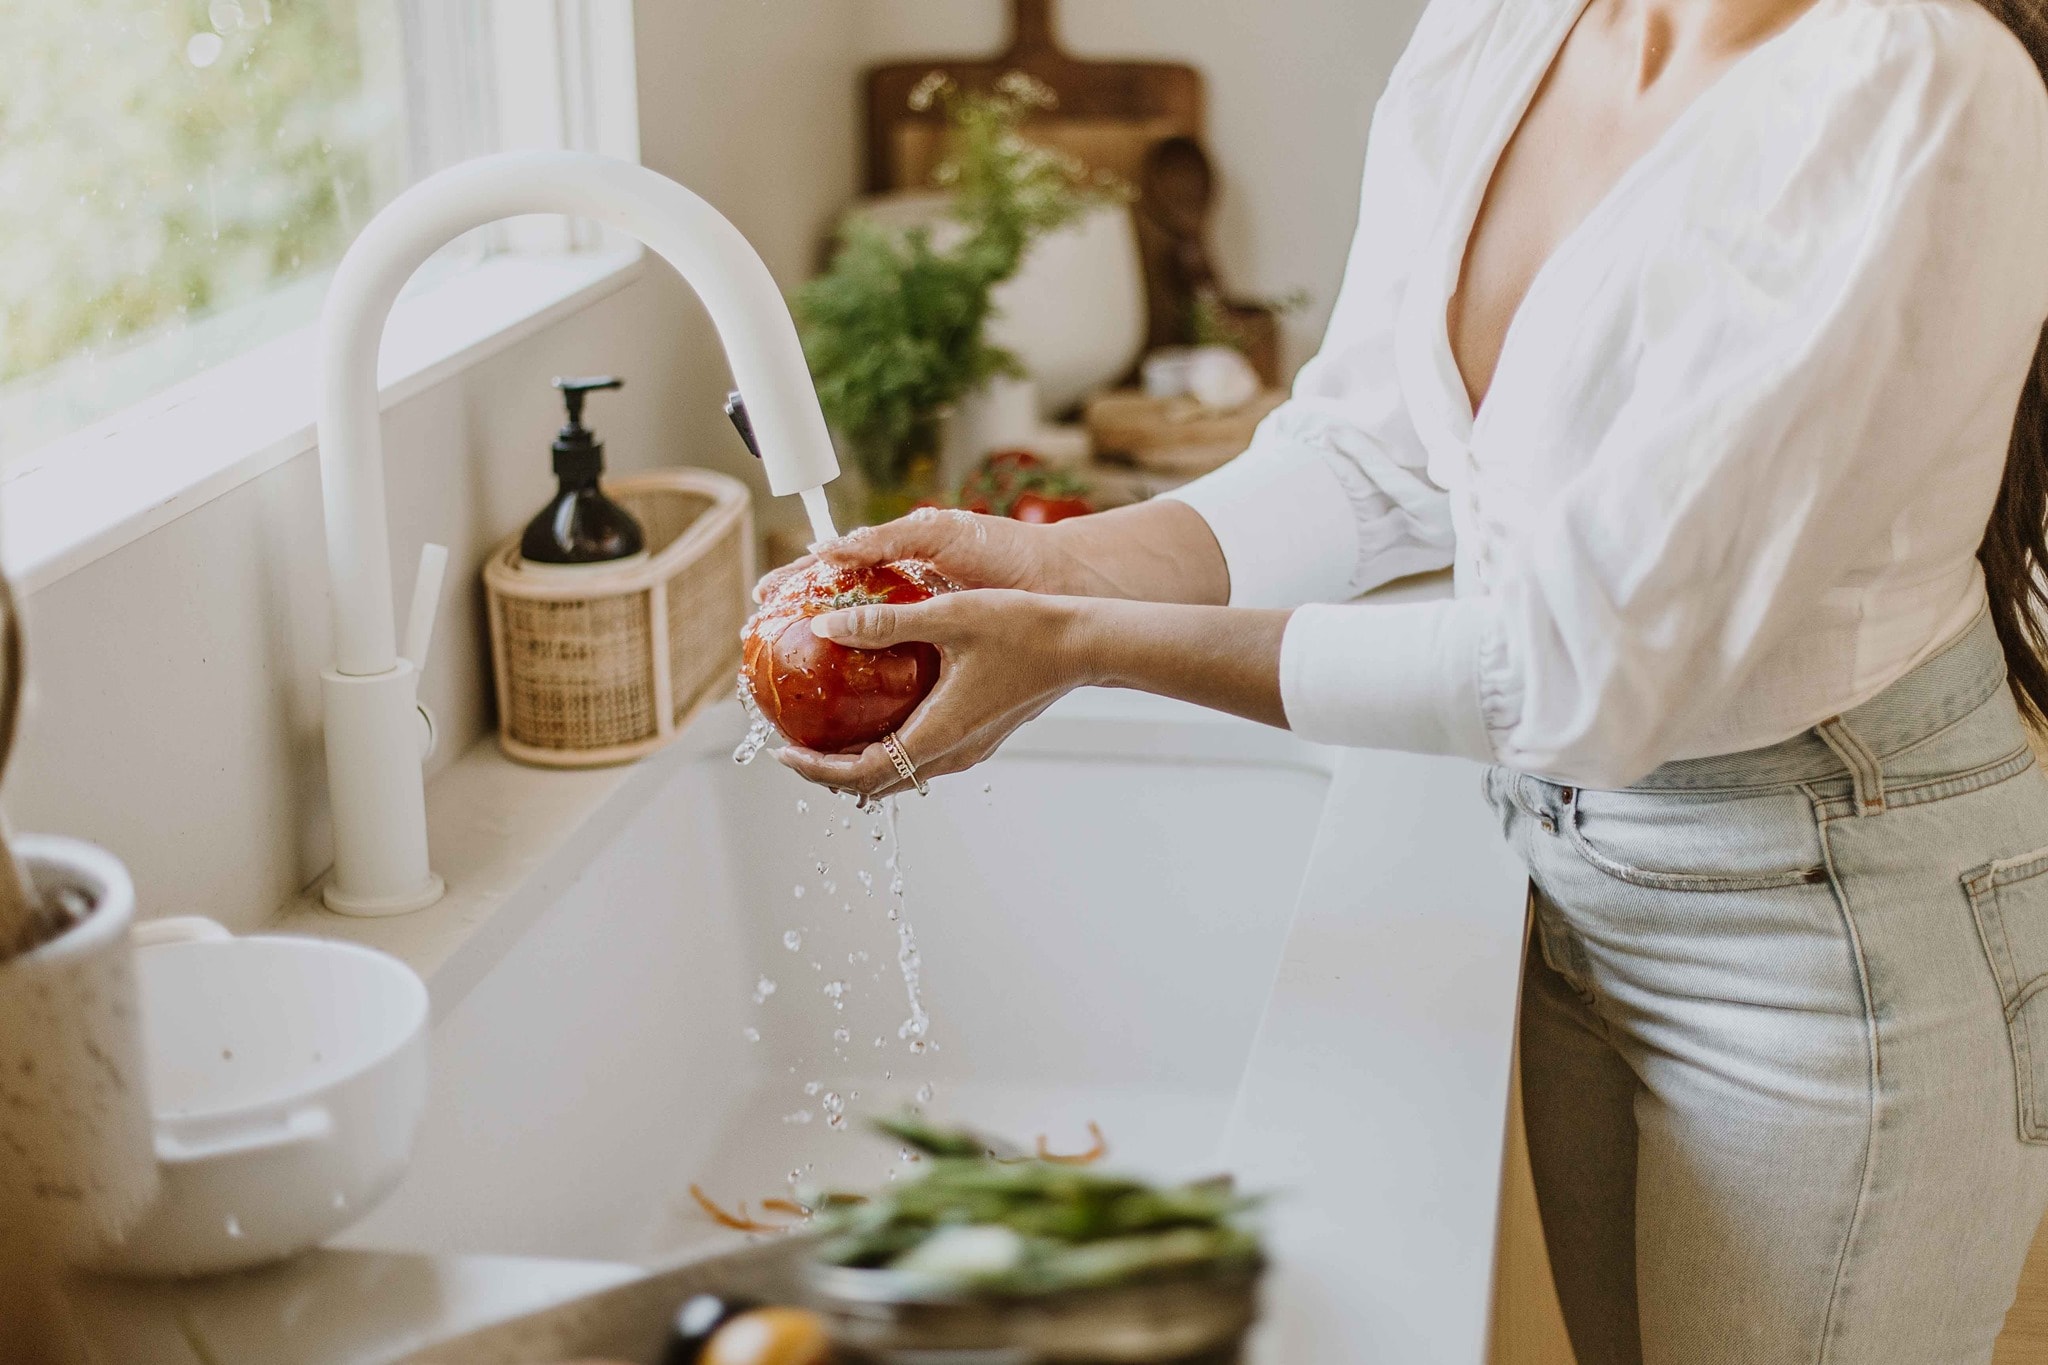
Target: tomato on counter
{"points": [[1043, 509], [826, 696]]}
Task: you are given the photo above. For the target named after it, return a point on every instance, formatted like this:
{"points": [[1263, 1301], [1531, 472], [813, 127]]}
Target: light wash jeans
{"points": [[1785, 1035]]}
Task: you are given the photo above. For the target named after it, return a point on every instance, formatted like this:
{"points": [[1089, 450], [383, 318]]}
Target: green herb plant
{"points": [[980, 1222], [895, 329]]}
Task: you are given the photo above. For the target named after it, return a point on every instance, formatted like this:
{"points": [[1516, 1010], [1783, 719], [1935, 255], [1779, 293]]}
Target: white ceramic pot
{"points": [[1074, 313], [75, 1163], [287, 1076]]}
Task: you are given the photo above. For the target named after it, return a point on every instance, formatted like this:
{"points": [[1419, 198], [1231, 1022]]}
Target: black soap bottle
{"points": [[581, 527]]}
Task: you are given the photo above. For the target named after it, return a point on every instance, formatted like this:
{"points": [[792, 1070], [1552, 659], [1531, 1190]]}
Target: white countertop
{"points": [[325, 1308]]}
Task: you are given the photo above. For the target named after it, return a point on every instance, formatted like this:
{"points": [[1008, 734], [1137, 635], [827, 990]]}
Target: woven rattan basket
{"points": [[604, 665]]}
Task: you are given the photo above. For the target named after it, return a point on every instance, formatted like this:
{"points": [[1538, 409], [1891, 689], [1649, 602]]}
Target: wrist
{"points": [[1078, 642]]}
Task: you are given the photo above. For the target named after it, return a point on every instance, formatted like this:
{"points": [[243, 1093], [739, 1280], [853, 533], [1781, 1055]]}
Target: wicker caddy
{"points": [[604, 665]]}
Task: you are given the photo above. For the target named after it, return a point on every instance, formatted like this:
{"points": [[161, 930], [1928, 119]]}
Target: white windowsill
{"points": [[87, 495]]}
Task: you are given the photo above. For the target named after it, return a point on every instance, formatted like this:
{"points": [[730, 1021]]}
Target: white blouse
{"points": [[1744, 434]]}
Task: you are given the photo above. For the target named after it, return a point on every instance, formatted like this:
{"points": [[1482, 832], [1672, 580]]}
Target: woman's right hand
{"points": [[973, 550], [1157, 551]]}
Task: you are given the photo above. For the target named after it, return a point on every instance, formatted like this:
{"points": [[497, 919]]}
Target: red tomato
{"points": [[1045, 508], [826, 696]]}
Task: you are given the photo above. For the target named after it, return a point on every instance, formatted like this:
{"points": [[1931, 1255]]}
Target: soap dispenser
{"points": [[581, 528]]}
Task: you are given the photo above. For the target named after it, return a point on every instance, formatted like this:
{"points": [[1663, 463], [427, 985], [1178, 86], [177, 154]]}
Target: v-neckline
{"points": [[1458, 233]]}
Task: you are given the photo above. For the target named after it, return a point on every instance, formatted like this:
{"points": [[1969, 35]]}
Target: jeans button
{"points": [[1549, 825], [1567, 794]]}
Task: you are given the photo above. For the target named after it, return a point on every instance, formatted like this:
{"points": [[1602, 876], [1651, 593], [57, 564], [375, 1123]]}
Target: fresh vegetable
{"points": [[1020, 485], [826, 696], [1043, 510], [770, 1336], [978, 1222]]}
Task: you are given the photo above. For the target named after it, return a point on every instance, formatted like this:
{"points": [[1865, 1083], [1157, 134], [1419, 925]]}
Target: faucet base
{"points": [[377, 907]]}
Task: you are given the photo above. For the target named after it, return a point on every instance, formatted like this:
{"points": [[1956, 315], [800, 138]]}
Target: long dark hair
{"points": [[2015, 548]]}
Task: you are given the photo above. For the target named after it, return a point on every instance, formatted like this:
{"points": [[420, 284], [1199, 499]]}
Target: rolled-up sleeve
{"points": [[1333, 498]]}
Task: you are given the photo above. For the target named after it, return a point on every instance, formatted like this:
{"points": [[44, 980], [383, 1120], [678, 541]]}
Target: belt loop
{"points": [[1865, 770]]}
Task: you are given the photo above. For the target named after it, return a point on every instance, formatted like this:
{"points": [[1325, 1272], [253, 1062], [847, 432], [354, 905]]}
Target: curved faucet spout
{"points": [[373, 736], [745, 306]]}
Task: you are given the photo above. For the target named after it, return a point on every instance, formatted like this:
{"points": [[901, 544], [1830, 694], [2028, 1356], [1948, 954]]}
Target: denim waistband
{"points": [[1951, 684]]}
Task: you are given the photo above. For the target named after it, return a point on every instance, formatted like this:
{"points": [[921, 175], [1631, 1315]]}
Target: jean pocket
{"points": [[1673, 842], [2010, 901]]}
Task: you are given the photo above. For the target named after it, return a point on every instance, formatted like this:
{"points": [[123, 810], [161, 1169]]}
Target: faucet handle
{"points": [[736, 411], [426, 604]]}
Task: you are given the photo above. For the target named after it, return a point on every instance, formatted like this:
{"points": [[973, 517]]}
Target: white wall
{"points": [[174, 713], [1291, 86]]}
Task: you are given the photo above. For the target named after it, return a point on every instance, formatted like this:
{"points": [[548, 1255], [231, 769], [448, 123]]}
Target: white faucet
{"points": [[377, 736]]}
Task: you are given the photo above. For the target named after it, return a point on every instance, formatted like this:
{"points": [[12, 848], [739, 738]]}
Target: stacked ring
{"points": [[893, 747]]}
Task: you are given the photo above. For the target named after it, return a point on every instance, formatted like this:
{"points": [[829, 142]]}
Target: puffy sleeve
{"points": [[1799, 378], [1333, 498]]}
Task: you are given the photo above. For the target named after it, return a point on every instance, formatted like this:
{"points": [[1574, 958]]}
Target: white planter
{"points": [[1074, 313], [75, 1162]]}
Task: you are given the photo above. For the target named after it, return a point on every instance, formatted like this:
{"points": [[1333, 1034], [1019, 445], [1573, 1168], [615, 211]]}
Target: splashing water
{"points": [[759, 732], [908, 961], [792, 940], [763, 988], [835, 991], [925, 1093]]}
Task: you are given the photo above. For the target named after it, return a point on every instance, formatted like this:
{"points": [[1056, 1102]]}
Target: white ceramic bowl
{"points": [[287, 1077]]}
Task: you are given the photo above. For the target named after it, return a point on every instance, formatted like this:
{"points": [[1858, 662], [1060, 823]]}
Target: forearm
{"points": [[1224, 658], [1157, 551]]}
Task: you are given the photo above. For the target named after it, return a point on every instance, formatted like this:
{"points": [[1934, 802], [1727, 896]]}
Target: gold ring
{"points": [[893, 747]]}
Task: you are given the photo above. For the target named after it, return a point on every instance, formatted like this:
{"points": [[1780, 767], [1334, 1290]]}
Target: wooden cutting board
{"points": [[1110, 115]]}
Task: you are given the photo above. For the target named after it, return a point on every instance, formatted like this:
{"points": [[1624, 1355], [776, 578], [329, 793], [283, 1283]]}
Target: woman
{"points": [[1744, 295]]}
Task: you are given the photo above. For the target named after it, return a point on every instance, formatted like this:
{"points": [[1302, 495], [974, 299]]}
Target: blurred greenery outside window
{"points": [[178, 178]]}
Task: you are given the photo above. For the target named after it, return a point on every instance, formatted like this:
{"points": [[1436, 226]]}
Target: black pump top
{"points": [[578, 453]]}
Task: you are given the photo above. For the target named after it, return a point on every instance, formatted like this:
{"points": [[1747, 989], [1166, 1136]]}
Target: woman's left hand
{"points": [[1004, 656]]}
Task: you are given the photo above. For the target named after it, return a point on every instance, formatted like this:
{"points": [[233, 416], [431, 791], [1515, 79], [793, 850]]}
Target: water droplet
{"points": [[794, 1176], [234, 1226], [802, 806], [845, 822], [762, 990], [833, 1104], [813, 1087], [792, 940], [918, 1045], [924, 1093], [836, 1122], [880, 1041], [836, 992], [203, 49], [987, 787], [797, 891], [752, 1035], [909, 1154], [840, 1035], [867, 880], [224, 15]]}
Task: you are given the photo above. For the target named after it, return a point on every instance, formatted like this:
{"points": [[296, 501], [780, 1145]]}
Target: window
{"points": [[178, 177]]}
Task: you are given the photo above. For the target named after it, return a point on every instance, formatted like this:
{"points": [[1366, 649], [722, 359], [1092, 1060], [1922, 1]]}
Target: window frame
{"points": [[561, 75]]}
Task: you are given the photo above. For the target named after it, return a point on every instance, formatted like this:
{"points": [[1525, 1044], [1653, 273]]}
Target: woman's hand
{"points": [[1159, 551], [1004, 656], [971, 549]]}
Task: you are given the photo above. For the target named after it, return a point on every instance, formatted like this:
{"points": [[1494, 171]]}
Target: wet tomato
{"points": [[826, 696]]}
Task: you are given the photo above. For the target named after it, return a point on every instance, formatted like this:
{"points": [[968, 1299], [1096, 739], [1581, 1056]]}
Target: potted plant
{"points": [[895, 329]]}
